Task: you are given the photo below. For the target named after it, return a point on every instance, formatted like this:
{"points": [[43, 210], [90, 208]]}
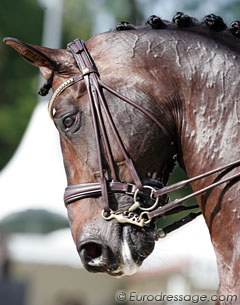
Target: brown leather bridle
{"points": [[137, 189]]}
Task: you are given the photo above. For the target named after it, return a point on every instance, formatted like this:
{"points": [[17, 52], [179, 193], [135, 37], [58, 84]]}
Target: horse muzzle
{"points": [[119, 254]]}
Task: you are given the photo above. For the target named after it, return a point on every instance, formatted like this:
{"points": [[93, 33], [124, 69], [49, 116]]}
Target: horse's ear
{"points": [[46, 59]]}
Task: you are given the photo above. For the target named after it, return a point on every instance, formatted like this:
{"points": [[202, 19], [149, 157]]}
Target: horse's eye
{"points": [[69, 121]]}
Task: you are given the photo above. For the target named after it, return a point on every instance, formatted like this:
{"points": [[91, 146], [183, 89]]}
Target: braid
{"points": [[124, 26], [235, 28], [182, 20], [156, 22], [214, 23]]}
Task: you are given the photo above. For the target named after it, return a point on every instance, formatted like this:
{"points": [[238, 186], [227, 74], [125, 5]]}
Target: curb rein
{"points": [[137, 190]]}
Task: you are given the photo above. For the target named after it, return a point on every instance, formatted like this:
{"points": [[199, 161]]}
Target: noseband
{"points": [[139, 191]]}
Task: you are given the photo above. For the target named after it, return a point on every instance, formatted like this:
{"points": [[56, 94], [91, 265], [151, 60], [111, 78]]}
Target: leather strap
{"points": [[185, 183], [98, 106], [177, 202], [86, 190]]}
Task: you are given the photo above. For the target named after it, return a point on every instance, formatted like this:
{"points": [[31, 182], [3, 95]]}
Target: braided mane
{"points": [[210, 22], [179, 21]]}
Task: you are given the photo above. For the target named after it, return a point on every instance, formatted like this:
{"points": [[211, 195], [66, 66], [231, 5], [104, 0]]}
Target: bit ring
{"points": [[151, 197]]}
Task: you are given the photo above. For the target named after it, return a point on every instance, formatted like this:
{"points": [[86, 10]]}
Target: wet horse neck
{"points": [[209, 139], [210, 126], [211, 110]]}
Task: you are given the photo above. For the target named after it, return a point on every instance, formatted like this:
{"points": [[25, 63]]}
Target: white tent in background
{"points": [[35, 177]]}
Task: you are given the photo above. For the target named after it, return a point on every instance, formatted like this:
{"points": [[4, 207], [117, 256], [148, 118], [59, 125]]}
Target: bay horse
{"points": [[128, 104]]}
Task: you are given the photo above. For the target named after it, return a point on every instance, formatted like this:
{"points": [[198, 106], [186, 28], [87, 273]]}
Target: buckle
{"points": [[131, 189]]}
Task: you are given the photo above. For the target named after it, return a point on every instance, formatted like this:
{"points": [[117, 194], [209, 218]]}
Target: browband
{"points": [[69, 82]]}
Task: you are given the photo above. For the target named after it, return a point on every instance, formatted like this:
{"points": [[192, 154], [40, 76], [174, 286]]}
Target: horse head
{"points": [[108, 246], [127, 105]]}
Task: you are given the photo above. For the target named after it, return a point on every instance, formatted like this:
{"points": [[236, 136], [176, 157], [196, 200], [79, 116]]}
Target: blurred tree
{"points": [[128, 10], [80, 15], [78, 20], [23, 20]]}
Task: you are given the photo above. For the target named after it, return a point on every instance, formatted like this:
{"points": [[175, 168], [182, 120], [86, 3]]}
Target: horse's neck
{"points": [[210, 138], [211, 114]]}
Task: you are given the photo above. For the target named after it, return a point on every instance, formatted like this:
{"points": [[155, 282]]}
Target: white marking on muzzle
{"points": [[128, 265]]}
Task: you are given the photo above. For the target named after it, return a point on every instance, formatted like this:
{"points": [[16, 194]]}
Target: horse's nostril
{"points": [[94, 256], [92, 250], [97, 257]]}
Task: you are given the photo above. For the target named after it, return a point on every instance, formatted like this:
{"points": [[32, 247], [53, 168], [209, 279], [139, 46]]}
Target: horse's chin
{"points": [[127, 266], [132, 252]]}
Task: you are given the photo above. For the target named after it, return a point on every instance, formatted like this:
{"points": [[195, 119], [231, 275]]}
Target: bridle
{"points": [[138, 190]]}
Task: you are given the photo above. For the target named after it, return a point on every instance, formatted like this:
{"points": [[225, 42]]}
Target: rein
{"points": [[140, 192]]}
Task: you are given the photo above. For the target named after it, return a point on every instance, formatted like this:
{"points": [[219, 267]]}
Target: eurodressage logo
{"points": [[133, 296]]}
